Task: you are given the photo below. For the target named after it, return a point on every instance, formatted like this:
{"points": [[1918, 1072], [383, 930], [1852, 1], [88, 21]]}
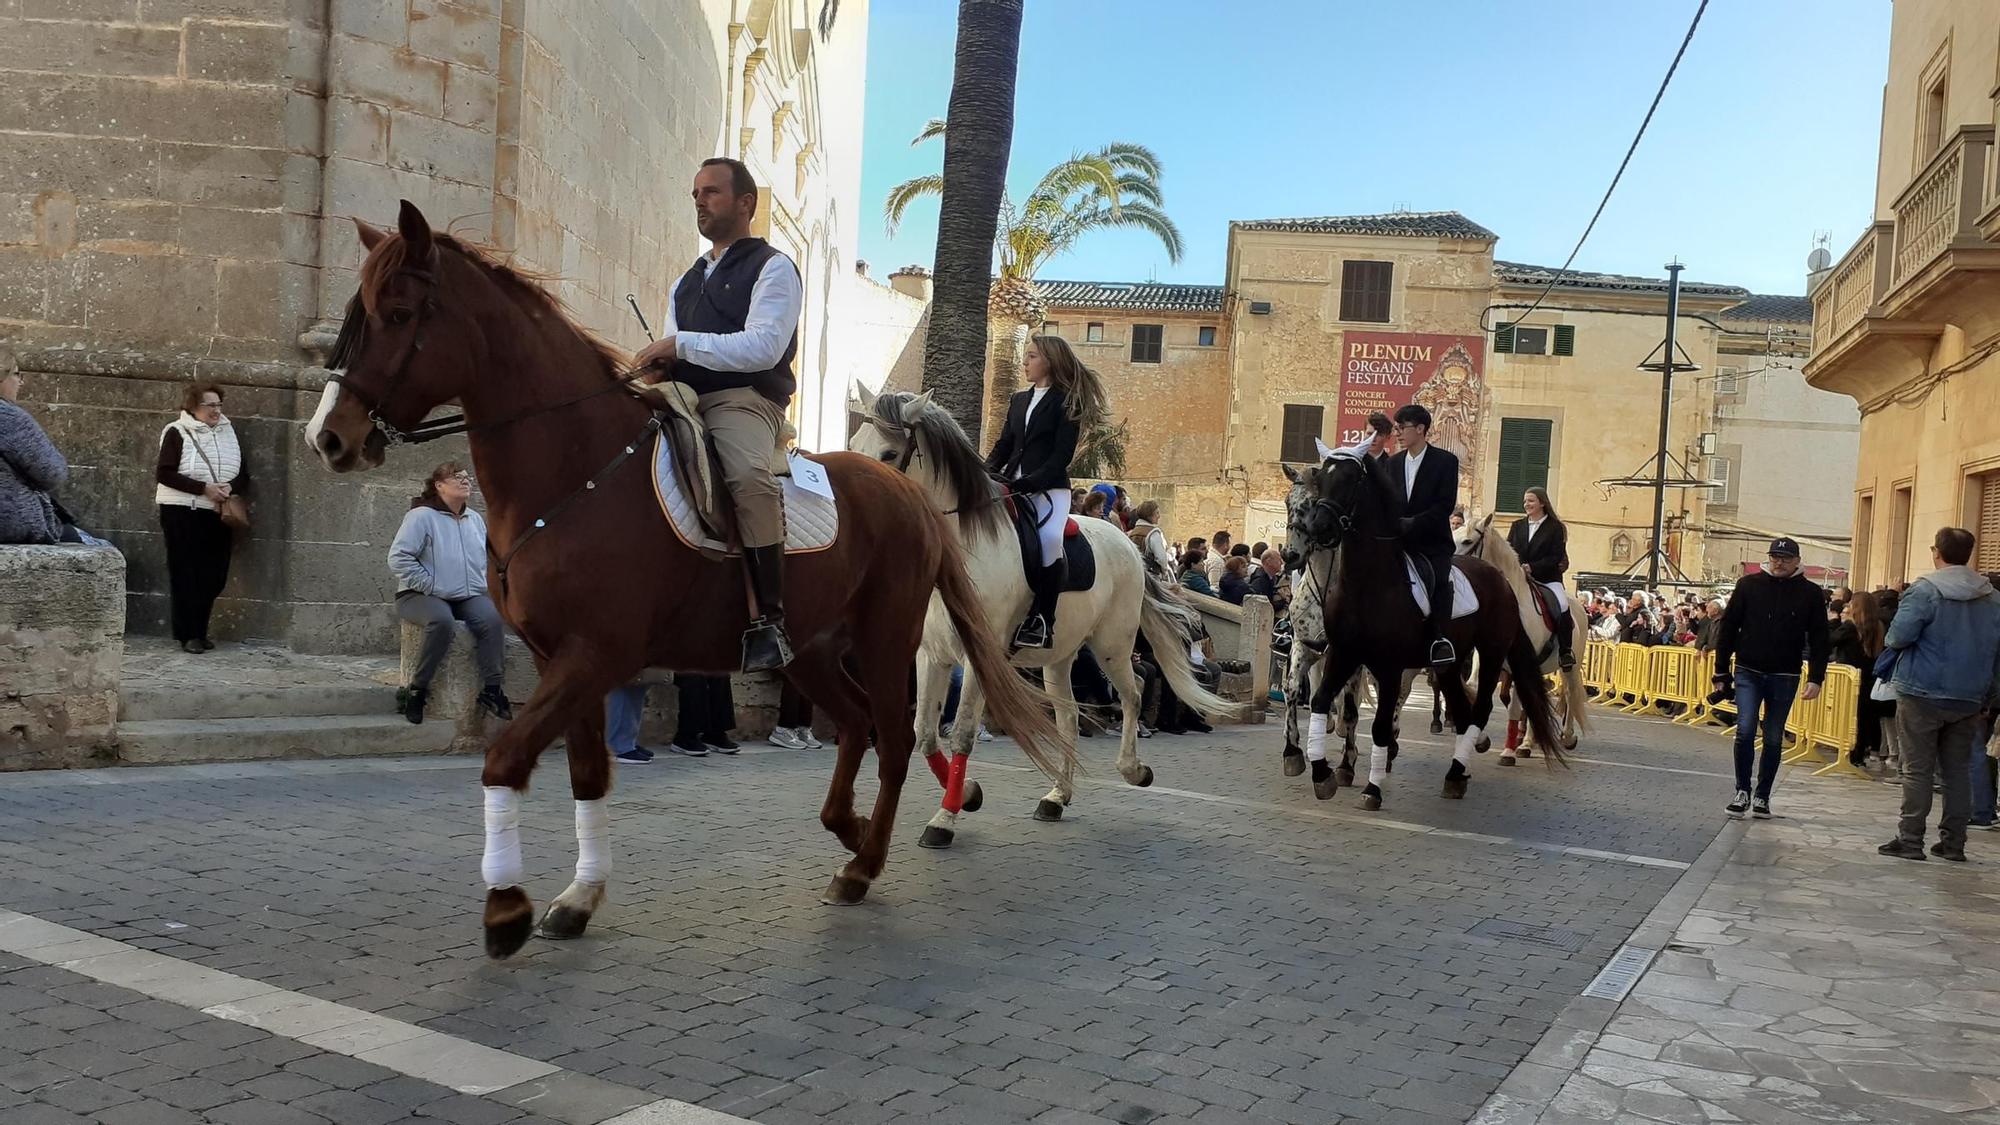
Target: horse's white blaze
{"points": [[593, 837], [1378, 764], [328, 396], [501, 866], [1316, 738]]}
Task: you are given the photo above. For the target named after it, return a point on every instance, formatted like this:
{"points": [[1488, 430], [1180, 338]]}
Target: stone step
{"points": [[148, 702], [161, 741]]}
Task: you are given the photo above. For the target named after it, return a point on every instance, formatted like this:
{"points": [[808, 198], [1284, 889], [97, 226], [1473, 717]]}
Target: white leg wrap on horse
{"points": [[593, 839], [1378, 764], [1463, 746], [1316, 738], [501, 866]]}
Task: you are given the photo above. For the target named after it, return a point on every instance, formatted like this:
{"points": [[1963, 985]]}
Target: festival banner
{"points": [[1383, 370]]}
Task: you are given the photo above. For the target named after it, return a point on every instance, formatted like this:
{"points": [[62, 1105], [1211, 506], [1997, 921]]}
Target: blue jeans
{"points": [[623, 709], [950, 712], [1982, 774], [1773, 692]]}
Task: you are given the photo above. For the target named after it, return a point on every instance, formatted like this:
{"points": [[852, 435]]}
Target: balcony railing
{"points": [[1858, 281], [1942, 204]]}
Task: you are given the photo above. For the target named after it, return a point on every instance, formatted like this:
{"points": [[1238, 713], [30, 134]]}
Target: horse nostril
{"points": [[328, 442]]}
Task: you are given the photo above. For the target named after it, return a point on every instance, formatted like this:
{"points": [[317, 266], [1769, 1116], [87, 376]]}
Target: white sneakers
{"points": [[793, 738]]}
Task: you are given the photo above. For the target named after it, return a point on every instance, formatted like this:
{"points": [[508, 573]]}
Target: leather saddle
{"points": [[1081, 571], [695, 462], [1545, 604]]}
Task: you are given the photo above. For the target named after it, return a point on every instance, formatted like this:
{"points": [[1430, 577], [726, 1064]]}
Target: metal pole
{"points": [[1666, 406]]}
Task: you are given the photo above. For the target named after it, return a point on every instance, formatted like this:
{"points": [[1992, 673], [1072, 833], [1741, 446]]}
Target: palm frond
{"points": [[932, 128], [1132, 185], [1129, 157], [1078, 174], [905, 193]]}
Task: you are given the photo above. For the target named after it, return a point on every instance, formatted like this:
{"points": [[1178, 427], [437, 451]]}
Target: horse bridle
{"points": [[907, 433]]}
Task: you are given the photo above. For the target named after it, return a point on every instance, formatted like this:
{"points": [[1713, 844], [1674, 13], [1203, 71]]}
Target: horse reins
{"points": [[910, 452]]}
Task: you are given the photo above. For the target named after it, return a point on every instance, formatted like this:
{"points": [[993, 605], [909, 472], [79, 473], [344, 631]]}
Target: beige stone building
{"points": [[1907, 322], [176, 175]]}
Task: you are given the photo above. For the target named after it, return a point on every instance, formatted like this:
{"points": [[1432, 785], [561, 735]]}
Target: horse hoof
{"points": [[1454, 789], [1295, 762], [974, 797], [510, 918], [1325, 785], [1508, 758], [1371, 798], [1527, 751], [1145, 777], [1437, 726], [562, 923], [1344, 775], [935, 836], [1568, 741], [1047, 810], [1482, 744], [845, 890]]}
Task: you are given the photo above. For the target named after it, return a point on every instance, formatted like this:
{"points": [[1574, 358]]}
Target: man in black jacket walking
{"points": [[1772, 618]]}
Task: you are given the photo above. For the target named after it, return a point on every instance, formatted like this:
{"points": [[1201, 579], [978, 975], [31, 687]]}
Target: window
{"points": [[1051, 328], [1523, 339], [1898, 569], [1094, 332], [1302, 431], [1565, 339], [1524, 460], [1726, 381], [1364, 291], [1985, 522], [1864, 532], [1205, 336], [1930, 135], [1146, 342], [1723, 472], [1529, 340]]}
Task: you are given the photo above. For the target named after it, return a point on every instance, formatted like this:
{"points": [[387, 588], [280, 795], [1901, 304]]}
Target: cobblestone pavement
{"points": [[1813, 981], [1218, 948]]}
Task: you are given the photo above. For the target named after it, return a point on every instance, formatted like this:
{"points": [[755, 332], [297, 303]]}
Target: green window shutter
{"points": [[1524, 460], [1565, 339], [1503, 338]]}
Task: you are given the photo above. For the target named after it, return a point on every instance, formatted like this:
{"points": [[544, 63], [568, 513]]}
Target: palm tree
{"points": [[1100, 452], [970, 190], [1116, 186]]}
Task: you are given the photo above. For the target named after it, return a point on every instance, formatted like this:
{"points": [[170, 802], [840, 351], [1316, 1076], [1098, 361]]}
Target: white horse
{"points": [[921, 438], [1479, 540]]}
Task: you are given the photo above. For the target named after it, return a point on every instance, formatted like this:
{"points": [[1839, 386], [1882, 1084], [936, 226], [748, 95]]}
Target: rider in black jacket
{"points": [[1542, 542]]}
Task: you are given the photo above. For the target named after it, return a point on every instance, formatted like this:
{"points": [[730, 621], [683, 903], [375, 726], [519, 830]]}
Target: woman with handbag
{"points": [[202, 484], [1857, 642]]}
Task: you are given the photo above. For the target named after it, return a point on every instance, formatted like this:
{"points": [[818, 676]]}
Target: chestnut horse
{"points": [[585, 569]]}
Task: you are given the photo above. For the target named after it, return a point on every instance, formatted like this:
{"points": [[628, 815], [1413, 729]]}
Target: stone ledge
{"points": [[62, 645]]}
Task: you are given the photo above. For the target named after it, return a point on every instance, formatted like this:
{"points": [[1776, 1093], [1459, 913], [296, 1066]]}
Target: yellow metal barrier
{"points": [[1629, 672], [1704, 682], [1673, 676], [1597, 657], [1838, 720]]}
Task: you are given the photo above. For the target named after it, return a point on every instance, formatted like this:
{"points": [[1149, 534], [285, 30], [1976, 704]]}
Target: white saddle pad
{"points": [[1463, 601], [812, 518]]}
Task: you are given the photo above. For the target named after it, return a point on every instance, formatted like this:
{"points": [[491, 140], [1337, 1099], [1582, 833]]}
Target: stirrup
{"points": [[1033, 633], [1442, 653], [765, 646], [1567, 660]]}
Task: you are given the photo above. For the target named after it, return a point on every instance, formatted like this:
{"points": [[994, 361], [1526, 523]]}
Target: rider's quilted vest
{"points": [[721, 303]]}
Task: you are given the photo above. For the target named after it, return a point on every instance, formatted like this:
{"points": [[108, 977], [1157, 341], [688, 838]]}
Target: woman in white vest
{"points": [[199, 468], [439, 560]]}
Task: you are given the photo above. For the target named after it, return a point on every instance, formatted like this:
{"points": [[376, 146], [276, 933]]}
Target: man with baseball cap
{"points": [[1772, 618]]}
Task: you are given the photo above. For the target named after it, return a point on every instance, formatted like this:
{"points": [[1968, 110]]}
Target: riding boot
{"points": [[1442, 654], [1566, 639], [765, 646], [1039, 630]]}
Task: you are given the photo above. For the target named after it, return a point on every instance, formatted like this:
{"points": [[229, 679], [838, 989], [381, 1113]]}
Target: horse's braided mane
{"points": [[956, 458], [528, 287]]}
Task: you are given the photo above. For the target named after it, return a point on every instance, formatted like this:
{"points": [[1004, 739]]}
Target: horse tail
{"points": [[1015, 707], [1169, 627], [1532, 692]]}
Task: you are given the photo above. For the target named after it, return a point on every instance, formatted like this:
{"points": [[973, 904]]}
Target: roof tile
{"points": [[1411, 224]]}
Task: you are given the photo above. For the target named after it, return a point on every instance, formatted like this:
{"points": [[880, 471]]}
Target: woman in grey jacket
{"points": [[30, 469], [439, 559]]}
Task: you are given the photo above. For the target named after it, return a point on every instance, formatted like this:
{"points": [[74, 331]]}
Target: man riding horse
{"points": [[1428, 478], [731, 331]]}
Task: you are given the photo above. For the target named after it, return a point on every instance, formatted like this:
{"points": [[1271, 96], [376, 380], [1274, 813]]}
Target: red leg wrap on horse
{"points": [[1513, 734], [954, 788], [935, 760]]}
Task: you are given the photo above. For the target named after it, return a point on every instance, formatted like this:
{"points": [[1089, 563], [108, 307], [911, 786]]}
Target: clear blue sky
{"points": [[1515, 114]]}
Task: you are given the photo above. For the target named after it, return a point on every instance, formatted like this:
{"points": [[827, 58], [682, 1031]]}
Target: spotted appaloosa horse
{"points": [[1372, 621], [920, 437], [560, 446]]}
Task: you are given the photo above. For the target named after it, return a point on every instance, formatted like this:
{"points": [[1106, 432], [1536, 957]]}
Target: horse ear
{"points": [[1292, 474], [371, 237], [914, 409], [416, 232], [858, 397]]}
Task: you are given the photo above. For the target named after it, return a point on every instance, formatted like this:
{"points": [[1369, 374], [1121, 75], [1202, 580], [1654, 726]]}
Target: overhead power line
{"points": [[1632, 148]]}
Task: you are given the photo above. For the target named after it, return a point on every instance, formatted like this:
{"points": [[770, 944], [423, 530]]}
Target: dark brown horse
{"points": [[586, 570], [1372, 622]]}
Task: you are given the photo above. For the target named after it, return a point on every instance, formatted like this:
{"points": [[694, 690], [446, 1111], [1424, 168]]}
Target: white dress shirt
{"points": [[775, 302], [1533, 527], [1411, 464], [1034, 400]]}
